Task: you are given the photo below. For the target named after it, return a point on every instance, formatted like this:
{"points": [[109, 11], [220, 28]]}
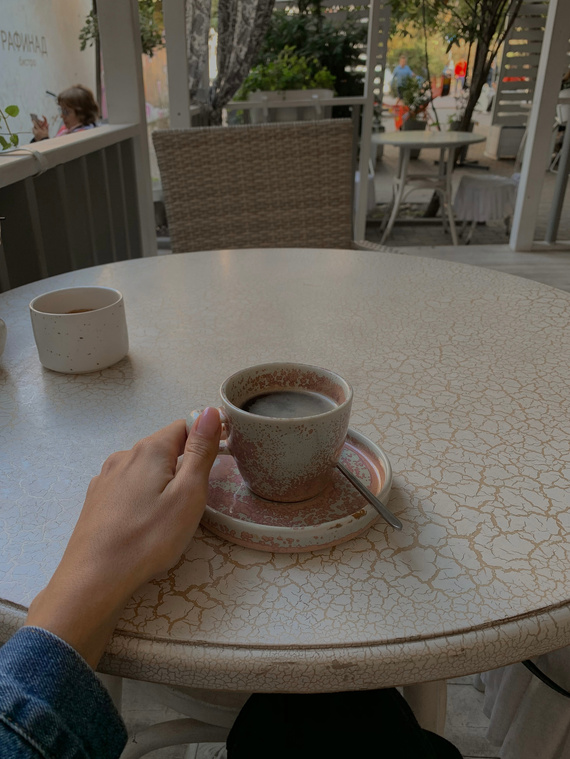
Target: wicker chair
{"points": [[269, 185]]}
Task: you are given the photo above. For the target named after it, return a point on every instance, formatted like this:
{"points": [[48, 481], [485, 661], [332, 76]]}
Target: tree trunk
{"points": [[481, 68]]}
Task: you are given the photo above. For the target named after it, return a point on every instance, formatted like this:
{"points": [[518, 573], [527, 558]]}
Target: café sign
{"points": [[24, 43]]}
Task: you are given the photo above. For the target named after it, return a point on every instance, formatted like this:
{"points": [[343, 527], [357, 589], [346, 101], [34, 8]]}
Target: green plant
{"points": [[13, 139], [326, 46], [289, 71], [151, 24], [416, 95]]}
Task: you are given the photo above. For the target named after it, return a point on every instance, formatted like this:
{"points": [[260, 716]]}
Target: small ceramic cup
{"points": [[80, 329], [285, 459]]}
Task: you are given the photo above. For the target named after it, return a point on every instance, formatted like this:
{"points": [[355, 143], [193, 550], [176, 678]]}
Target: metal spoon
{"points": [[384, 512]]}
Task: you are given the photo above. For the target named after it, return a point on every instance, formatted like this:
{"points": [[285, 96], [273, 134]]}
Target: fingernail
{"points": [[208, 422]]}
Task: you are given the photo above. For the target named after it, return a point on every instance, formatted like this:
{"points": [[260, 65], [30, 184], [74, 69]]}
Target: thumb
{"points": [[201, 447]]}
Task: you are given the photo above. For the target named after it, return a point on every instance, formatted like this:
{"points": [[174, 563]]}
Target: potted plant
{"points": [[415, 96], [290, 76], [13, 139], [326, 44]]}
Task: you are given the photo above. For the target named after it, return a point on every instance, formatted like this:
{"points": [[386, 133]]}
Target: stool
{"points": [[485, 198]]}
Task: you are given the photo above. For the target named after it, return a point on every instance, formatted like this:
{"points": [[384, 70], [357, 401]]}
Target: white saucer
{"points": [[336, 515]]}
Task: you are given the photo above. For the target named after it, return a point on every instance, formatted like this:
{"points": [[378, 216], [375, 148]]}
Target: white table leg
{"points": [[471, 230], [399, 183], [114, 686], [176, 732], [428, 702], [448, 192]]}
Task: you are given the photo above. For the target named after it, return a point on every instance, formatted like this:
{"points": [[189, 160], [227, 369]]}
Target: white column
{"points": [[539, 130], [174, 12], [122, 59], [367, 117]]}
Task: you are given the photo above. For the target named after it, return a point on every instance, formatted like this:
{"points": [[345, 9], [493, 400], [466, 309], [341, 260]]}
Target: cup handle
{"points": [[223, 445]]}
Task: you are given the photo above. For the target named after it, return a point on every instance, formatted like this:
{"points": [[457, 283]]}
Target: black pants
{"points": [[375, 724]]}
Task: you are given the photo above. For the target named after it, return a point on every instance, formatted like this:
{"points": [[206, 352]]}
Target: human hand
{"points": [[139, 515], [40, 129]]}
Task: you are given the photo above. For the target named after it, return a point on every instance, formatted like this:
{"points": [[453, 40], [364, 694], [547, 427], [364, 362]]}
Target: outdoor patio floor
{"points": [[430, 232]]}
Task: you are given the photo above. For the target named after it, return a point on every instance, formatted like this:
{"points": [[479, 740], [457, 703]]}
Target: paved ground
{"points": [[411, 234]]}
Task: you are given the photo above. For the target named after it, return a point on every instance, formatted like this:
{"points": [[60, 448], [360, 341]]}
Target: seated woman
{"points": [[79, 111]]}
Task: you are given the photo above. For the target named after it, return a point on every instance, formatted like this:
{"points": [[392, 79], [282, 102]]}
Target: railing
{"points": [[67, 203]]}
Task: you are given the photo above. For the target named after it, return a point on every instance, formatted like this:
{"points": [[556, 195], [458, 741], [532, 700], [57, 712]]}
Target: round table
{"points": [[459, 373], [404, 182]]}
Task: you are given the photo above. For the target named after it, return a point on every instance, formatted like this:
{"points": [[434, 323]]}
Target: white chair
{"points": [[208, 718], [485, 198], [528, 719]]}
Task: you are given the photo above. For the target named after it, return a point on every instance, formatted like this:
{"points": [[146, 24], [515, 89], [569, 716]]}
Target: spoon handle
{"points": [[385, 513]]}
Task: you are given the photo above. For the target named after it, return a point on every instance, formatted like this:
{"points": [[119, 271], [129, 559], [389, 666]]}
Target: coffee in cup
{"points": [[286, 425]]}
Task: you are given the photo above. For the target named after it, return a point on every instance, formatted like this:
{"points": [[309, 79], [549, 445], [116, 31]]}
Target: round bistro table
{"points": [[440, 182], [459, 373]]}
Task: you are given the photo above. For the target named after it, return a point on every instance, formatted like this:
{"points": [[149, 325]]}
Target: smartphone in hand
{"points": [[35, 118]]}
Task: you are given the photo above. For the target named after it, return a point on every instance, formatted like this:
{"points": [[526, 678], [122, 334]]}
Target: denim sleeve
{"points": [[51, 703]]}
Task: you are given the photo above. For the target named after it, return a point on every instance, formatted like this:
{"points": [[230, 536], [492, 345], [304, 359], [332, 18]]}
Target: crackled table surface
{"points": [[459, 373]]}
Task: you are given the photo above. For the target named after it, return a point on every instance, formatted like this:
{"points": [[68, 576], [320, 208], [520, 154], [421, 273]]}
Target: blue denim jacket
{"points": [[51, 703]]}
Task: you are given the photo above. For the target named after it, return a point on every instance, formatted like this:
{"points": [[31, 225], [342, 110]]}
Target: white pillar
{"points": [[367, 117], [539, 130], [121, 49], [174, 12]]}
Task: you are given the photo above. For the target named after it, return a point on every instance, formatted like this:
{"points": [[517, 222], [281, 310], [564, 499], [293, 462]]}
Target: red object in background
{"points": [[399, 112], [460, 69]]}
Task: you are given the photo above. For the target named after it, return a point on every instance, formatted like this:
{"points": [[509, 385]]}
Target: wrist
{"points": [[82, 611]]}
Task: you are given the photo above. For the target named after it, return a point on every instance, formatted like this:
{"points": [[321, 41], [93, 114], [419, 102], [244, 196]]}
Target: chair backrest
{"points": [[268, 185]]}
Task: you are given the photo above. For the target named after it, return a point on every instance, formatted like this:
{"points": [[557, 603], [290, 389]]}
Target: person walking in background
{"points": [[460, 74], [79, 111], [400, 74]]}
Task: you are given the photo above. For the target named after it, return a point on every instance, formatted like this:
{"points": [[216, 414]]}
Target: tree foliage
{"points": [[151, 24], [483, 24], [315, 37]]}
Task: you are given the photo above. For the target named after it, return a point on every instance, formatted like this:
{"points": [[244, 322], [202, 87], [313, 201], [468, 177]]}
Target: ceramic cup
{"points": [[285, 459], [80, 329]]}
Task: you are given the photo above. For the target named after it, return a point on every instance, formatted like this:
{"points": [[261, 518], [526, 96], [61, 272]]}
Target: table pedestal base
{"points": [[405, 183], [428, 701]]}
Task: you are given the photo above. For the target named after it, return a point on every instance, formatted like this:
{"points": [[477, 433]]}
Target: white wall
{"points": [[39, 51]]}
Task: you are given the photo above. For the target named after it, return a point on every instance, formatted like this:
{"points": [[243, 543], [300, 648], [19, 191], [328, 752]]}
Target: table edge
{"points": [[327, 668]]}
